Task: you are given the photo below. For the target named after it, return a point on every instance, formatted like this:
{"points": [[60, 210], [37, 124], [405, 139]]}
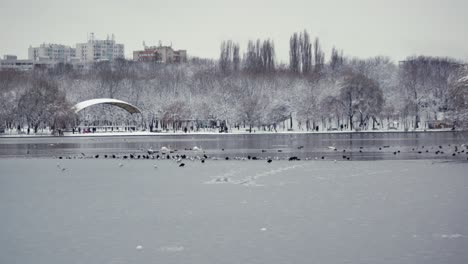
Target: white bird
{"points": [[139, 247], [332, 147], [164, 149], [155, 166], [151, 151], [196, 148]]}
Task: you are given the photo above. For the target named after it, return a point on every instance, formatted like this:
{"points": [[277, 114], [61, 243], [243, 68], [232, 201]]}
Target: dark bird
{"points": [[254, 158], [113, 156], [269, 160], [300, 147], [249, 157], [323, 157], [227, 158], [97, 156], [279, 150], [182, 164], [125, 157], [263, 150], [105, 156], [203, 161]]}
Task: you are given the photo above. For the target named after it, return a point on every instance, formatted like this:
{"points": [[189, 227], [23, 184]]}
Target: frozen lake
{"points": [[114, 211], [359, 146]]}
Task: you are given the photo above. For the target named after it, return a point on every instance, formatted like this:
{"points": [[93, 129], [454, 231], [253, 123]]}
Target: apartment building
{"points": [[99, 50], [161, 54], [55, 53]]}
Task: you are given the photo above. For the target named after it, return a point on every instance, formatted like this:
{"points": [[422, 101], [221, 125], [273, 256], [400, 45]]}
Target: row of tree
{"points": [[251, 91]]}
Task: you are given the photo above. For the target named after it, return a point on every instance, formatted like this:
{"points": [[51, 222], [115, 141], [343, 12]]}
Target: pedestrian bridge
{"points": [[124, 105]]}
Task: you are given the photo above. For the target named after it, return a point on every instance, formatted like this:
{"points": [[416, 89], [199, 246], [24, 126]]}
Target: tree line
{"points": [[245, 90]]}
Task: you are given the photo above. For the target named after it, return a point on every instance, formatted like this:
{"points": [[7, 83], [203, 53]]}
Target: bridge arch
{"points": [[122, 104]]}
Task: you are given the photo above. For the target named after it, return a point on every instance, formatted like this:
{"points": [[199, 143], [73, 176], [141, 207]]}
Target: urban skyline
{"points": [[362, 28]]}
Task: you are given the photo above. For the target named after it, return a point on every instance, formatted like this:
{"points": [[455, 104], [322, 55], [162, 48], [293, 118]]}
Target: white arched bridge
{"points": [[122, 104]]}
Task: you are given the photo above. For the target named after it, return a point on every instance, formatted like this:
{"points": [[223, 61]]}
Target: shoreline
{"points": [[146, 134]]}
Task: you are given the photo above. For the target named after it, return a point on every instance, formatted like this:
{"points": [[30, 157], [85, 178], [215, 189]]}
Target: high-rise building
{"points": [[51, 52], [162, 54], [99, 50]]}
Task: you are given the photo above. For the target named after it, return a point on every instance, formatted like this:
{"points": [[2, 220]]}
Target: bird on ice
{"points": [[165, 149], [332, 147], [151, 151], [196, 148]]}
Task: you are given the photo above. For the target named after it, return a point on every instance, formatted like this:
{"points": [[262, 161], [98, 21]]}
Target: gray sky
{"points": [[362, 28]]}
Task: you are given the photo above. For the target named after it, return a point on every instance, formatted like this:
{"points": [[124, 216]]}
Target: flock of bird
{"points": [[198, 154]]}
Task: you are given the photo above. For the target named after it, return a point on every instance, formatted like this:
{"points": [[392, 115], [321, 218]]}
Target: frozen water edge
{"points": [[346, 212], [235, 132]]}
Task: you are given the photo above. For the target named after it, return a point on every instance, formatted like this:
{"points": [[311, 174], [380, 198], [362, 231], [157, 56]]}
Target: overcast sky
{"points": [[362, 28]]}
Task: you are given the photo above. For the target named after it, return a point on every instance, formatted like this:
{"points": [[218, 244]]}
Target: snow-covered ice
{"points": [[302, 212]]}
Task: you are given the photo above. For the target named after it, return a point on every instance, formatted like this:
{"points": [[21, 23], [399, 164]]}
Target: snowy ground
{"points": [[147, 133], [114, 211]]}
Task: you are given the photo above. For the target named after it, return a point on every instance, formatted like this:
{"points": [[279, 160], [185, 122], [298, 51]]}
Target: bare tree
{"points": [[294, 53], [361, 95], [306, 53], [319, 56]]}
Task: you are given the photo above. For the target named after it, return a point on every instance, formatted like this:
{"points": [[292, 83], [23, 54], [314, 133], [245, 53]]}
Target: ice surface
{"points": [[301, 212]]}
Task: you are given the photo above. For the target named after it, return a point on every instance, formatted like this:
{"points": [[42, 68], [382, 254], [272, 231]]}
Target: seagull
{"points": [[151, 151], [196, 148], [164, 149], [332, 147]]}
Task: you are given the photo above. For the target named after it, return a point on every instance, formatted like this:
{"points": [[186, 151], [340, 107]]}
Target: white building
{"points": [[11, 62], [51, 52], [99, 50]]}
